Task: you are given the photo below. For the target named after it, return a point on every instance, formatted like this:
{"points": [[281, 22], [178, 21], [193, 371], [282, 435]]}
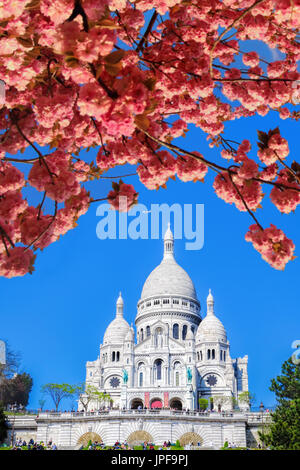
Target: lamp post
{"points": [[261, 408], [14, 408]]}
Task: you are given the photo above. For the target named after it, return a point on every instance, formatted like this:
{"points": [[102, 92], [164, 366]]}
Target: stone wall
{"points": [[69, 430]]}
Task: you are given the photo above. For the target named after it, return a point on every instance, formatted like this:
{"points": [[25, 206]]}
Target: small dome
{"points": [[117, 330], [211, 328]]}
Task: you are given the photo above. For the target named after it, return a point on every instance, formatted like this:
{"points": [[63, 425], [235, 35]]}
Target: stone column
{"points": [[189, 398], [123, 400]]}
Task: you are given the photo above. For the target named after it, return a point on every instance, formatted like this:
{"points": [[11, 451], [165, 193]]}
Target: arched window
{"points": [[157, 368], [212, 353], [224, 356], [141, 379], [142, 335], [221, 355], [208, 354], [201, 356], [184, 331], [118, 356], [113, 356], [148, 331], [176, 376], [176, 331]]}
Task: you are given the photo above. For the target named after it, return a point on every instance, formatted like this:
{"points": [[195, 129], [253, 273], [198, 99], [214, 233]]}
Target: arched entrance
{"points": [[176, 404], [87, 437], [138, 437], [190, 438], [136, 403], [156, 403]]}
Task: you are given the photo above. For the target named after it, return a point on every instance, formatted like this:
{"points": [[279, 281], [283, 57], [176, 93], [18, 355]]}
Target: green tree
{"points": [[16, 389], [15, 386], [203, 404], [284, 431], [246, 397], [89, 393], [12, 364], [3, 425], [234, 402], [58, 392], [42, 402]]}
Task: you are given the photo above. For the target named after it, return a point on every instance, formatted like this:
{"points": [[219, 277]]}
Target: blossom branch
{"points": [[146, 34], [232, 25]]}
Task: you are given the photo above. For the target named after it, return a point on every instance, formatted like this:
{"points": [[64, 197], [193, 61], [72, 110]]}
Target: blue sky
{"points": [[56, 317]]}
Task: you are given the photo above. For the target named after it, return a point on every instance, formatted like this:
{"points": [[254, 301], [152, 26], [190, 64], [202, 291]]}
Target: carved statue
{"points": [[125, 376], [140, 424], [189, 375]]}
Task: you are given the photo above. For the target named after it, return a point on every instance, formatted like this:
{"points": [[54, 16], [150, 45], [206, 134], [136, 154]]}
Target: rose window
{"points": [[211, 380], [114, 382]]}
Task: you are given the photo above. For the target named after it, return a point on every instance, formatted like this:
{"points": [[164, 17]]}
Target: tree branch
{"points": [[144, 37], [79, 10]]}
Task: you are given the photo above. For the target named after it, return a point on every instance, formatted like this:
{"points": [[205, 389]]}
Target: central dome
{"points": [[168, 278]]}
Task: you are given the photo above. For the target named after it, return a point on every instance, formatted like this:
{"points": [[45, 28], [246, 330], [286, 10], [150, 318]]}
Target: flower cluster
{"points": [[122, 197], [71, 86], [272, 244]]}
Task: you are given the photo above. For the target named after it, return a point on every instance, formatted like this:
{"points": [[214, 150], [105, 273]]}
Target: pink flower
{"points": [[123, 197], [191, 169], [18, 262], [286, 197], [272, 244], [251, 59]]}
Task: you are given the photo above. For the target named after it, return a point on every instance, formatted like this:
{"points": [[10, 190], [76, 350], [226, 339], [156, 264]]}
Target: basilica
{"points": [[150, 383], [174, 357]]}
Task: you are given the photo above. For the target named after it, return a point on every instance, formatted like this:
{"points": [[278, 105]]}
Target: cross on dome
{"points": [[168, 243], [210, 303], [120, 306]]}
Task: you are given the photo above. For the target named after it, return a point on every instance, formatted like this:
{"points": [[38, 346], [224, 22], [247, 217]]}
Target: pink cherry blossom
{"points": [[272, 244], [128, 81]]}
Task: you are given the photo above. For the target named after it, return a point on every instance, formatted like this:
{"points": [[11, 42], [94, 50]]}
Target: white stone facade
{"points": [[177, 357], [71, 430]]}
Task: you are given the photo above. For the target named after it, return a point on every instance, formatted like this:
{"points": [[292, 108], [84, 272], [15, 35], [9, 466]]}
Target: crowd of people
{"points": [[126, 446], [21, 444]]}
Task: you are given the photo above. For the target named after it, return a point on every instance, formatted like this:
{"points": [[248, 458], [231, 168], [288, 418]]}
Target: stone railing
{"points": [[143, 413], [258, 417], [21, 421]]}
